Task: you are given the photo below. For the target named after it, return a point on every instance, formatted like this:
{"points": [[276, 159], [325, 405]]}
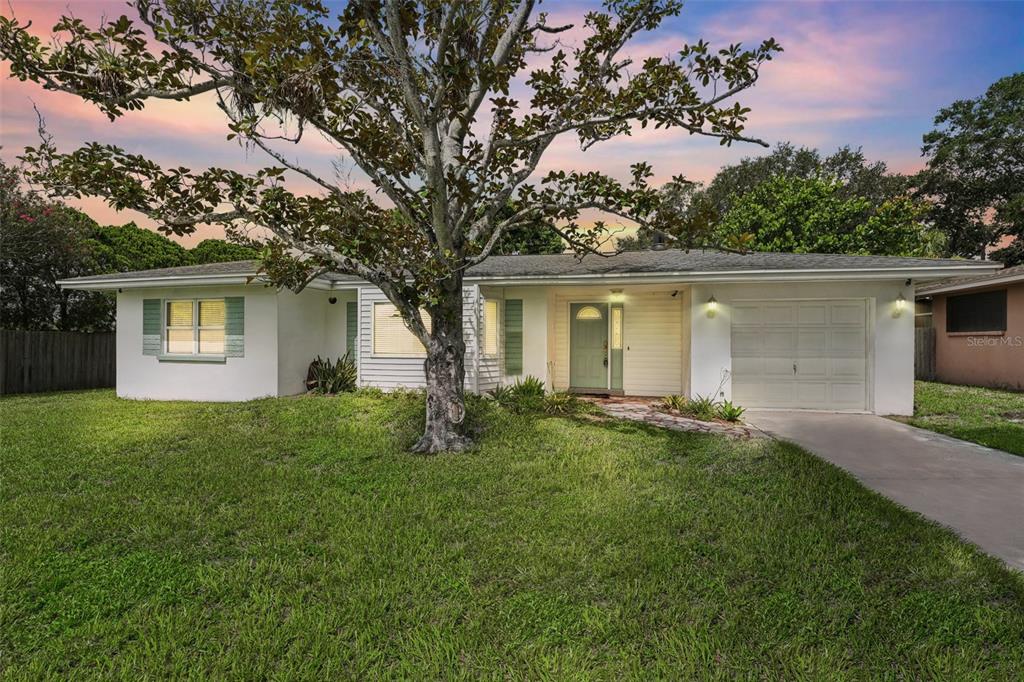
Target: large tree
{"points": [[975, 171], [447, 108]]}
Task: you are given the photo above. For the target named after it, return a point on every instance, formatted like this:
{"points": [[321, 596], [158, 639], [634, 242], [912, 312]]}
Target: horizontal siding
{"points": [[389, 373], [652, 334]]}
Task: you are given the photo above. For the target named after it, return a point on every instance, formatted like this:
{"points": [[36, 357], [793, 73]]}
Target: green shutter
{"points": [[351, 327], [234, 326], [151, 320], [513, 336]]}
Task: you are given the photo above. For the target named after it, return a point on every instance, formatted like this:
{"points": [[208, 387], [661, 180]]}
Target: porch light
{"points": [[901, 305], [712, 307], [617, 296]]}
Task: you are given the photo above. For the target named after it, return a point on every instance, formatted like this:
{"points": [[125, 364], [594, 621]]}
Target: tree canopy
{"points": [[794, 199], [975, 166], [447, 107]]}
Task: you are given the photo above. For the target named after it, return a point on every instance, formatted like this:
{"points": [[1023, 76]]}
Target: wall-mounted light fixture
{"points": [[617, 296], [901, 305], [332, 300], [712, 307]]}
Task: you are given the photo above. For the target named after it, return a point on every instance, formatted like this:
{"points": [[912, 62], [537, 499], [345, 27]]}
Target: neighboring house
{"points": [[765, 330], [979, 328]]}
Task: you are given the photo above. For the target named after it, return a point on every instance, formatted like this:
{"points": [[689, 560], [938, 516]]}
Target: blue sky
{"points": [[868, 74]]}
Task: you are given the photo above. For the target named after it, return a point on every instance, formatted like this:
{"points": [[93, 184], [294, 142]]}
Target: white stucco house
{"points": [[764, 330]]}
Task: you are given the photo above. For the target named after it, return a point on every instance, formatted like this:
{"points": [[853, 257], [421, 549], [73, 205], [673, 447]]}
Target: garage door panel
{"points": [[812, 368], [825, 340], [776, 340], [778, 313], [812, 313], [849, 394], [847, 340], [845, 368], [851, 313]]}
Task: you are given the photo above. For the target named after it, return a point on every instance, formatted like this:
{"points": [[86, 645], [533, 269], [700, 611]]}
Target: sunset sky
{"points": [[861, 73]]}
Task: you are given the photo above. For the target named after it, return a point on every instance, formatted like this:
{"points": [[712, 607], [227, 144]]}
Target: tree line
{"points": [[43, 241], [969, 196]]}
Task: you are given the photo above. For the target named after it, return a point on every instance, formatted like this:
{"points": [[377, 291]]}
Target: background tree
{"points": [[798, 215], [419, 96], [220, 251], [975, 170], [42, 242], [129, 247]]}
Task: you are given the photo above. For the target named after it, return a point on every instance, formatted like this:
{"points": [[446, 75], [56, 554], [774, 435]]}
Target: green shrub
{"points": [[502, 395], [528, 386], [678, 403], [730, 412], [328, 377], [702, 407], [562, 403]]}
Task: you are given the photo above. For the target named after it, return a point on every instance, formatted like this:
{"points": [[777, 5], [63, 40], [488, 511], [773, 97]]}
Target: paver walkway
{"points": [[644, 410]]}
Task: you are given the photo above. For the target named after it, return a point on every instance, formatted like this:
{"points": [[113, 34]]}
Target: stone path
{"points": [[643, 410]]}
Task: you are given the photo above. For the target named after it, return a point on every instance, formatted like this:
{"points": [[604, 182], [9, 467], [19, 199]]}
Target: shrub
{"points": [[502, 395], [528, 386], [327, 376], [562, 403], [730, 412], [702, 407], [678, 403]]}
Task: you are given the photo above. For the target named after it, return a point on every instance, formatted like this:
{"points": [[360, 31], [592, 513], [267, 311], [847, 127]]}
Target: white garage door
{"points": [[800, 354]]}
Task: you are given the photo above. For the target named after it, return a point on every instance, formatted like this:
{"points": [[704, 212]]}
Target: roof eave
{"points": [[86, 284], [1015, 278]]}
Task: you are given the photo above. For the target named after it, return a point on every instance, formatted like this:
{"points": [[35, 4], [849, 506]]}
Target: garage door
{"points": [[800, 354]]}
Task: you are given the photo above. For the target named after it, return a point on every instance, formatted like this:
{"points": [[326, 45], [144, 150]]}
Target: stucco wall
{"points": [[535, 331], [890, 339], [251, 376], [301, 336], [982, 359]]}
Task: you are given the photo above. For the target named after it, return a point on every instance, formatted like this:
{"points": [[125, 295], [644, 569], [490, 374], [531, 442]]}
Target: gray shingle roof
{"points": [[979, 280], [238, 267], [674, 260], [630, 262]]}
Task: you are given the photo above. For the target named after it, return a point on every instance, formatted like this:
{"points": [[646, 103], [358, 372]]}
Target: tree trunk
{"points": [[445, 370]]}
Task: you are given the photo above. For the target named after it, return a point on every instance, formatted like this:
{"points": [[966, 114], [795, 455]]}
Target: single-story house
{"points": [[978, 324], [765, 330]]}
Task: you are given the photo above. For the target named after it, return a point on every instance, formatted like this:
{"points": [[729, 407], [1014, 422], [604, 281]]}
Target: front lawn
{"points": [[295, 538], [981, 415]]}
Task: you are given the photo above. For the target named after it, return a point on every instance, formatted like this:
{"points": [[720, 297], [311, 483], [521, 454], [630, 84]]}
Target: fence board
{"points": [[924, 353], [31, 362]]}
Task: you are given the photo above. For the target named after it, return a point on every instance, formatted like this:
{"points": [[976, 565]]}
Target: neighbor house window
{"points": [[982, 312], [391, 336], [491, 330], [194, 326]]}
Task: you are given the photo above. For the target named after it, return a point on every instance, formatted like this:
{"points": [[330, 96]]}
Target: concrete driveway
{"points": [[976, 491]]}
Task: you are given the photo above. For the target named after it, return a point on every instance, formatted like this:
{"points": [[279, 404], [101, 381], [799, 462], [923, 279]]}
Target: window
{"points": [[616, 328], [195, 326], [588, 312], [491, 330], [982, 312], [391, 336]]}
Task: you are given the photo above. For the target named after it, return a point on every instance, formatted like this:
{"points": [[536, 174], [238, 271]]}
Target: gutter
{"points": [[680, 277]]}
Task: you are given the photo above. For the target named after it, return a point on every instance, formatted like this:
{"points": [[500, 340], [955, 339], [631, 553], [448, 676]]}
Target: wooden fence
{"points": [[924, 353], [31, 362]]}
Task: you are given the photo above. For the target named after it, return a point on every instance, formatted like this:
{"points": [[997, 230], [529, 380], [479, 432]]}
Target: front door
{"points": [[588, 346]]}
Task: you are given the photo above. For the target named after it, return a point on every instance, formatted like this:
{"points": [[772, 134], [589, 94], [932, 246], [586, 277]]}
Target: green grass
{"points": [[296, 539], [980, 415]]}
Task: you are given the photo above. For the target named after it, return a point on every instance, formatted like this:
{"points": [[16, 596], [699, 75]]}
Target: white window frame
{"points": [[374, 353], [497, 329], [196, 328]]}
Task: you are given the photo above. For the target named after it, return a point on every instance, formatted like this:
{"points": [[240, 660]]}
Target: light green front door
{"points": [[588, 346]]}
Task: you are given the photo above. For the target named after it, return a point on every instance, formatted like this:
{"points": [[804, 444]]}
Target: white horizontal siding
{"points": [[389, 372], [653, 337]]}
